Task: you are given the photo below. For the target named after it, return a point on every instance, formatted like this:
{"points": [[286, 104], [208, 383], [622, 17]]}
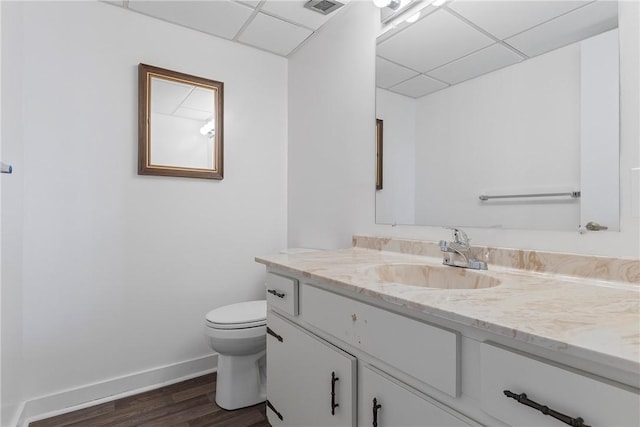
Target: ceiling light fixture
{"points": [[410, 14], [208, 129], [391, 4], [413, 18]]}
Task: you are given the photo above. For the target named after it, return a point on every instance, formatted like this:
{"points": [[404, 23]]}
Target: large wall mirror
{"points": [[500, 114], [180, 124]]}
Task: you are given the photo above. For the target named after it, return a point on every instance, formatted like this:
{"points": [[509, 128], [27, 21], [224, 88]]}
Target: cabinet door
{"points": [[309, 381], [397, 405]]}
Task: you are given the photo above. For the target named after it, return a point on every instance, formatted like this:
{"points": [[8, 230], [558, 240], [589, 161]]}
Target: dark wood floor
{"points": [[190, 403]]}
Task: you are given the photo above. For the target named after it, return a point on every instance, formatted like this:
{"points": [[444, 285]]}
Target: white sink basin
{"points": [[438, 277]]}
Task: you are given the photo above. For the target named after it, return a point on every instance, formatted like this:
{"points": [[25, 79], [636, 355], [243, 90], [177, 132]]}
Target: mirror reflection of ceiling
{"points": [[276, 26], [182, 100], [464, 39]]}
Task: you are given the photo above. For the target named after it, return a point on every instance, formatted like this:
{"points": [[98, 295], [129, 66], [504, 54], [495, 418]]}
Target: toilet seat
{"points": [[247, 325], [242, 315]]}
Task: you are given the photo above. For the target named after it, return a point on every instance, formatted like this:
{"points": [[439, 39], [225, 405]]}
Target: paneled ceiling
{"points": [[449, 44], [276, 26], [463, 39]]}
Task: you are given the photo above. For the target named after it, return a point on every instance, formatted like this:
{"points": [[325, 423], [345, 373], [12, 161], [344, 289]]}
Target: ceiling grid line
{"points": [[272, 26], [464, 39], [248, 22], [486, 33]]}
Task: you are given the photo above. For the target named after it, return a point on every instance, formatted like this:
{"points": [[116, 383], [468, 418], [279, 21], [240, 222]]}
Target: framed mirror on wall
{"points": [[500, 114], [180, 124]]}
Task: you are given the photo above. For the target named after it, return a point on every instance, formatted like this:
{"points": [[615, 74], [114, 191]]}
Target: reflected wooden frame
{"points": [[145, 74], [379, 134]]}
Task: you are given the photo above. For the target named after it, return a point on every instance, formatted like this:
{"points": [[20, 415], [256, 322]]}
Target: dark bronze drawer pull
{"points": [[270, 406], [522, 398], [273, 334], [276, 293], [334, 405], [376, 406]]}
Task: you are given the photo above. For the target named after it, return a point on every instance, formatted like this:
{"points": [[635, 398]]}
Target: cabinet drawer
{"points": [[425, 352], [596, 401], [282, 293]]}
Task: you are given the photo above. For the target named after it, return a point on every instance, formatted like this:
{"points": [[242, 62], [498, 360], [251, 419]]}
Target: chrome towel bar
{"points": [[572, 194]]}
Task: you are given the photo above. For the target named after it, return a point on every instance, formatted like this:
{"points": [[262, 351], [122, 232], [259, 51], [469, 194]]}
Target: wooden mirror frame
{"points": [[145, 74]]}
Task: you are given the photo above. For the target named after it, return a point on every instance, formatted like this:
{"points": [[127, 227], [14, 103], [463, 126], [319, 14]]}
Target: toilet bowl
{"points": [[238, 333]]}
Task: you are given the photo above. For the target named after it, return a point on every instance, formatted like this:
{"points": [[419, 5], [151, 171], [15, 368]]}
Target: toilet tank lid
{"points": [[243, 312]]}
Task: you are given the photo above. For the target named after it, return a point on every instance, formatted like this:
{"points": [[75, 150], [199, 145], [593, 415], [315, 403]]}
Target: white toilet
{"points": [[238, 333]]}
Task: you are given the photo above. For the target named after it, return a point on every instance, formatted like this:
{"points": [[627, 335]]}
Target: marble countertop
{"points": [[595, 319]]}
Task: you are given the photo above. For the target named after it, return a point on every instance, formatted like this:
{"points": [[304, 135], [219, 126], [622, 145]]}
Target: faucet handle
{"points": [[459, 236]]}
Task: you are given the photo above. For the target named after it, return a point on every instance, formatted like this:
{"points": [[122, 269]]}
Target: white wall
{"points": [[11, 243], [331, 131], [314, 144], [495, 135], [119, 269], [395, 203]]}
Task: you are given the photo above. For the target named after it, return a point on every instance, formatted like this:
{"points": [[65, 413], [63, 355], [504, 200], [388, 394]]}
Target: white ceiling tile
{"points": [[188, 113], [294, 11], [389, 74], [418, 86], [222, 18], [506, 18], [200, 99], [587, 21], [432, 42], [273, 34], [481, 62], [167, 95]]}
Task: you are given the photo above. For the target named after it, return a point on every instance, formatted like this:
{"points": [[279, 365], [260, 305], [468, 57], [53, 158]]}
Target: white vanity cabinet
{"points": [[384, 401], [314, 382], [310, 382], [395, 370]]}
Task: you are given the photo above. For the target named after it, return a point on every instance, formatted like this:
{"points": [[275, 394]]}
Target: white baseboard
{"points": [[19, 409], [115, 388]]}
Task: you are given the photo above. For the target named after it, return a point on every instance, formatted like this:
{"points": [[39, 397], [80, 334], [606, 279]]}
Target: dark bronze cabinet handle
{"points": [[376, 406], [522, 398], [334, 405], [273, 334], [276, 293]]}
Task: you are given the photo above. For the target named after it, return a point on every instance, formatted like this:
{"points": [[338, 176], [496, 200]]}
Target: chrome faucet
{"points": [[458, 252]]}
